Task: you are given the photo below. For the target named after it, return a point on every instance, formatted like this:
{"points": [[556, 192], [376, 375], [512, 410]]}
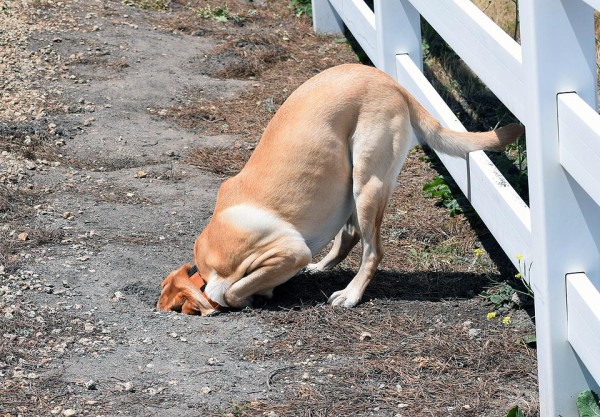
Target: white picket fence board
{"points": [[502, 210], [504, 213], [579, 141], [360, 20], [594, 3], [583, 312], [487, 49]]}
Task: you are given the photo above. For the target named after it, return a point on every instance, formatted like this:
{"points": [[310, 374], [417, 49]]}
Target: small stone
{"points": [[69, 412], [67, 215], [365, 336], [473, 333], [91, 385], [125, 386], [23, 236], [205, 390], [516, 298], [118, 296], [141, 174]]}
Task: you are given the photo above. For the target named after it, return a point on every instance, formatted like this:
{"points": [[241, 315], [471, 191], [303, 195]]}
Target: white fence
{"points": [[549, 83]]}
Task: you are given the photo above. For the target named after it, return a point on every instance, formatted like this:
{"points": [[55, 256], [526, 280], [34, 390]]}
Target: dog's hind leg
{"points": [[379, 151], [370, 206], [343, 243]]}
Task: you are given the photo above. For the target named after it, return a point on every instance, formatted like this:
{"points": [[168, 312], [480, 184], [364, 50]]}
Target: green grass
{"points": [[301, 7]]}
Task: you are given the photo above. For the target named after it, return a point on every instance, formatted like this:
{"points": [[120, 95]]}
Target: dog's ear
{"points": [[179, 293], [171, 297]]}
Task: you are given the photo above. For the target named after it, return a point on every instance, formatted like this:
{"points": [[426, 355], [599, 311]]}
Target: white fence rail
{"points": [[549, 83]]}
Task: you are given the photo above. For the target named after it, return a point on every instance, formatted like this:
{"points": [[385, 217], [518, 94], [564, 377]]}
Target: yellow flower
{"points": [[478, 252], [518, 275], [491, 315], [519, 257], [506, 320]]}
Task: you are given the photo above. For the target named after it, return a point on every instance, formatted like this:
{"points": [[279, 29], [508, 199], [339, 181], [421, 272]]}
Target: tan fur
{"points": [[324, 168]]}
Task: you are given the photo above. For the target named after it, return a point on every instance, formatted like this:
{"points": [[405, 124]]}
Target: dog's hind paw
{"points": [[343, 298], [309, 269]]}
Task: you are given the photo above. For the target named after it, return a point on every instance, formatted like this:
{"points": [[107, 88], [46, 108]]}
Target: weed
{"points": [[506, 295], [149, 4], [301, 7], [237, 410], [439, 188], [219, 14], [515, 412], [587, 404]]}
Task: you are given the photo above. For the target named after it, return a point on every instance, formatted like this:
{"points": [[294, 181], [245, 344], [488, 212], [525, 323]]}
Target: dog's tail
{"points": [[455, 143]]}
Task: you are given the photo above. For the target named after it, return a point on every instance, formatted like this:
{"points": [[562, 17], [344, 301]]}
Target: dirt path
{"points": [[115, 206]]}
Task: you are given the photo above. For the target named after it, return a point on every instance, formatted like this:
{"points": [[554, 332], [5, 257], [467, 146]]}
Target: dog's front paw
{"points": [[343, 298]]}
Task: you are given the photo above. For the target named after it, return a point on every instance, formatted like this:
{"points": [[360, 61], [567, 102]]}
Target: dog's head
{"points": [[182, 294]]}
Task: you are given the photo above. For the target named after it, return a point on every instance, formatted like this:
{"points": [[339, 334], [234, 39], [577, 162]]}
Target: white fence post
{"points": [[558, 57], [325, 18], [398, 32]]}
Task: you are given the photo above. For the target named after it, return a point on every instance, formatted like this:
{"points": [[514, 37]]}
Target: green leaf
{"points": [[528, 339], [497, 299], [587, 404], [515, 412]]}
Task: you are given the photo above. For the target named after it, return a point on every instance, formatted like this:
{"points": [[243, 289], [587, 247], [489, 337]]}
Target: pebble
{"points": [[473, 333], [125, 386], [365, 336], [91, 385], [118, 296]]}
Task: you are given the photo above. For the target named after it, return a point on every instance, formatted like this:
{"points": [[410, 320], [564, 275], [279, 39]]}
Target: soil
{"points": [[119, 121]]}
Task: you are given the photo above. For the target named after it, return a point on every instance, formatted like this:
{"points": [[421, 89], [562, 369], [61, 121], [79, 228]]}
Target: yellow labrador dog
{"points": [[324, 169]]}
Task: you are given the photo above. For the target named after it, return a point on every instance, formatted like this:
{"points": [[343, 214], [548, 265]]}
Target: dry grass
{"points": [[220, 160], [29, 140], [410, 357], [281, 53], [503, 13]]}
